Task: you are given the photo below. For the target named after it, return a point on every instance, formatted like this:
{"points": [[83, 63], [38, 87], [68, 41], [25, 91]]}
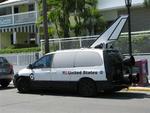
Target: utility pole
{"points": [[45, 26], [128, 5]]}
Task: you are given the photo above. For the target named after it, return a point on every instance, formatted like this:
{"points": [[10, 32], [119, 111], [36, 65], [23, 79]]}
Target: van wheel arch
{"points": [[87, 87], [23, 84]]}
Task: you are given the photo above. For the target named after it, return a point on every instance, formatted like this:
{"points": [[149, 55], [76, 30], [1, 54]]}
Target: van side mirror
{"points": [[30, 66]]}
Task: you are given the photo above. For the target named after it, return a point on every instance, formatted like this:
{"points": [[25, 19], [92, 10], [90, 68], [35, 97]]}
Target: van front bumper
{"points": [[15, 79]]}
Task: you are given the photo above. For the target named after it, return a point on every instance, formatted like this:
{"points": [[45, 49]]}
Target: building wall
{"points": [[22, 38], [116, 4], [110, 15], [140, 15], [5, 40], [140, 18]]}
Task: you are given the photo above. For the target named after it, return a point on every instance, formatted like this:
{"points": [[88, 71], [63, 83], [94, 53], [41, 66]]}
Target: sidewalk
{"points": [[137, 88]]}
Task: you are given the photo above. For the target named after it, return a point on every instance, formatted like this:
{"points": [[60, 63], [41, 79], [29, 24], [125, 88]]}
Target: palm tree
{"points": [[84, 12], [87, 17]]}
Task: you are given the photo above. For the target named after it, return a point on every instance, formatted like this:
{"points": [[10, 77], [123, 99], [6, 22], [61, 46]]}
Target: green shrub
{"points": [[22, 50], [17, 46]]}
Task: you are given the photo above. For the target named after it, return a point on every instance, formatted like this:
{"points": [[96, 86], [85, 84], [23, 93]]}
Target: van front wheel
{"points": [[23, 85], [87, 88]]}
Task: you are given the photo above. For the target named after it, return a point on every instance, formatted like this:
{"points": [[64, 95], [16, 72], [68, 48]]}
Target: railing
{"points": [[69, 43], [21, 59], [19, 18], [86, 41]]}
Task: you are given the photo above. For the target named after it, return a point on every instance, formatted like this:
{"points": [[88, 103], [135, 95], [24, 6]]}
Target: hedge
{"points": [[22, 50]]}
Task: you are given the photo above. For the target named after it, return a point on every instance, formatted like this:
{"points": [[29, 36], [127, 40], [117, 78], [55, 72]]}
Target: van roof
{"points": [[75, 50]]}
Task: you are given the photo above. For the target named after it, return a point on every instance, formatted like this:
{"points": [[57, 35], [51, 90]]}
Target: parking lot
{"points": [[57, 102]]}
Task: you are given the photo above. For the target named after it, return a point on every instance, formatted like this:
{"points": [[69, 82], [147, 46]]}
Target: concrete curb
{"points": [[139, 89]]}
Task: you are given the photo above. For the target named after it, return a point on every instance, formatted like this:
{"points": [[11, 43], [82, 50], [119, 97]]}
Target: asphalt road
{"points": [[45, 102]]}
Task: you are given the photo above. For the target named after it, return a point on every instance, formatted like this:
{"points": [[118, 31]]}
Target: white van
{"points": [[87, 71]]}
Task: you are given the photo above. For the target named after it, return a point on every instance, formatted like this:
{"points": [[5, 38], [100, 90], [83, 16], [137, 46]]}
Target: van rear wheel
{"points": [[23, 85], [87, 88]]}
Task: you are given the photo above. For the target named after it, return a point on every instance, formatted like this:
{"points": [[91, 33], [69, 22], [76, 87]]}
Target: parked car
{"points": [[6, 72]]}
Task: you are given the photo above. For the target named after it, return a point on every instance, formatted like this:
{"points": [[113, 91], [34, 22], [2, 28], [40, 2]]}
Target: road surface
{"points": [[57, 102]]}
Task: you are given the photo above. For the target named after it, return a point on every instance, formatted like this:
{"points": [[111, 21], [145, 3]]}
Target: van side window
{"points": [[63, 60], [87, 59], [44, 62]]}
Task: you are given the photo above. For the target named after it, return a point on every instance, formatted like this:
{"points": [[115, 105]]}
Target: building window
{"points": [[32, 37], [5, 11], [31, 7], [11, 39], [16, 9]]}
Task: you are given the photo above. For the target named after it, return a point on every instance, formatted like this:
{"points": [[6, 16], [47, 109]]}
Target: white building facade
{"points": [[18, 22], [140, 14]]}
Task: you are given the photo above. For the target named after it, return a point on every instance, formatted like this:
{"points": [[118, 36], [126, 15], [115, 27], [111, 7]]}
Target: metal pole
{"points": [[45, 26], [129, 32]]}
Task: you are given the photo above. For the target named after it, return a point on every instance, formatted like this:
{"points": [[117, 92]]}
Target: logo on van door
{"points": [[80, 72]]}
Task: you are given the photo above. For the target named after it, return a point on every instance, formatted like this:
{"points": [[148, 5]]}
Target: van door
{"points": [[89, 64], [62, 67], [41, 72], [113, 65], [63, 64]]}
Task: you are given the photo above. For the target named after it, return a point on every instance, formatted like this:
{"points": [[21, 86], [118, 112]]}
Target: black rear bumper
{"points": [[109, 85]]}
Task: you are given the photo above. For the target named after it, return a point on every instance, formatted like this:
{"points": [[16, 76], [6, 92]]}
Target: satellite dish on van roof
{"points": [[112, 33]]}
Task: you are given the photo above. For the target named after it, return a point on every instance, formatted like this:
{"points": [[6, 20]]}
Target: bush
{"points": [[22, 50], [17, 46]]}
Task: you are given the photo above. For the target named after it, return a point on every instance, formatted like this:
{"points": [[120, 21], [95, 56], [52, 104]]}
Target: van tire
{"points": [[23, 85], [4, 83], [87, 88]]}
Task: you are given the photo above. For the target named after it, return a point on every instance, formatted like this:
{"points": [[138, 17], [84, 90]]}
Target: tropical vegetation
{"points": [[21, 50], [73, 18], [147, 3]]}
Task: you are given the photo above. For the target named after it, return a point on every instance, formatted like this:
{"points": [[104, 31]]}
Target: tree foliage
{"points": [[140, 44], [73, 17], [147, 3]]}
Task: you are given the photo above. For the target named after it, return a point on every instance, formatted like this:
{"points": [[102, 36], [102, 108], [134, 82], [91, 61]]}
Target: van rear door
{"points": [[113, 65], [89, 64]]}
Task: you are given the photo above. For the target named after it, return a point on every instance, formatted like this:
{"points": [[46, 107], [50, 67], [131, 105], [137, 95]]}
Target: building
{"points": [[140, 14], [17, 22]]}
